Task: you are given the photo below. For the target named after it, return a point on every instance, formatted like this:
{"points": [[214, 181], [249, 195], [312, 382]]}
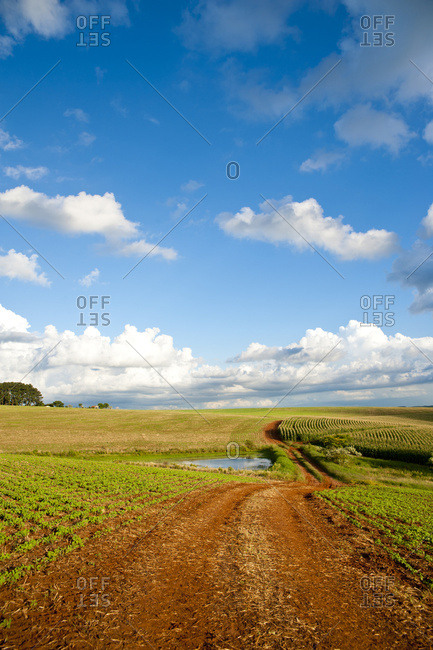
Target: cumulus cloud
{"points": [[236, 25], [83, 214], [17, 266], [364, 125], [14, 327], [90, 278], [12, 322], [311, 347], [321, 161], [32, 173], [366, 361], [77, 113], [306, 217]]}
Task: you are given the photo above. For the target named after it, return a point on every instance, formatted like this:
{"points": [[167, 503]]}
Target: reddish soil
{"points": [[230, 567]]}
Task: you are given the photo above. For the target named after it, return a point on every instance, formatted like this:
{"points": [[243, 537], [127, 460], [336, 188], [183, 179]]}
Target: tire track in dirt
{"points": [[271, 435]]}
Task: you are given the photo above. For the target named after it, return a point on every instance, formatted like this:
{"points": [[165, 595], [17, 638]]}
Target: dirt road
{"points": [[234, 566]]}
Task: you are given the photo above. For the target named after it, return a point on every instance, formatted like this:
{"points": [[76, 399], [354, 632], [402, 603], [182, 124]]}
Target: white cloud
{"points": [[32, 173], [90, 278], [364, 125], [12, 322], [141, 248], [191, 186], [366, 361], [86, 139], [48, 18], [307, 218], [83, 214], [321, 161], [236, 25], [51, 18], [17, 266], [80, 214], [78, 113], [9, 142]]}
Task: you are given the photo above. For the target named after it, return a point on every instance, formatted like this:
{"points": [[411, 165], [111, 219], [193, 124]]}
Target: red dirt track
{"points": [[233, 566]]}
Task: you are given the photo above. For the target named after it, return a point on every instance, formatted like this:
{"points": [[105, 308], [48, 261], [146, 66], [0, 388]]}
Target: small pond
{"points": [[236, 463]]}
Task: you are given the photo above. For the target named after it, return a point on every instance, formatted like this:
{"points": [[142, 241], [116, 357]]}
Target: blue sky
{"points": [[96, 167]]}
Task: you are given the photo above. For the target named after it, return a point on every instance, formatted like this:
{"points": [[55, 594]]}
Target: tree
{"points": [[103, 405], [58, 403], [18, 394]]}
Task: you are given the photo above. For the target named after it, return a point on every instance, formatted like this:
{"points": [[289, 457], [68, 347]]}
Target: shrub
{"points": [[340, 455], [334, 440]]}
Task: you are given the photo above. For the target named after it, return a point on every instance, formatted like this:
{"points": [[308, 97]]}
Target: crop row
{"points": [[402, 517], [376, 439]]}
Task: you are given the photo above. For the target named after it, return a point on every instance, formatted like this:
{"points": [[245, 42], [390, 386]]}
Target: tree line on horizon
{"points": [[15, 393]]}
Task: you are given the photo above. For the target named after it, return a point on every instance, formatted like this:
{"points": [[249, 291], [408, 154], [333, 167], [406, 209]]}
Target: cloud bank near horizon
{"points": [[355, 364]]}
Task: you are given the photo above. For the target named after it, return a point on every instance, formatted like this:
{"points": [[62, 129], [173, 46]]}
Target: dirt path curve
{"points": [[231, 567], [271, 435]]}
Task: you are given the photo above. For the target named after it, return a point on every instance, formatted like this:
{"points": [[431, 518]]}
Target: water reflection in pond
{"points": [[235, 463]]}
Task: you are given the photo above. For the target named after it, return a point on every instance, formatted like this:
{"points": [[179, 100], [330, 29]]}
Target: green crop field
{"points": [[377, 437], [50, 506], [400, 520]]}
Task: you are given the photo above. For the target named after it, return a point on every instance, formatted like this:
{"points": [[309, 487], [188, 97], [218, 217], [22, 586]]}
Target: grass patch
{"points": [[315, 454], [282, 466], [306, 465]]}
